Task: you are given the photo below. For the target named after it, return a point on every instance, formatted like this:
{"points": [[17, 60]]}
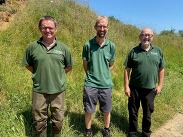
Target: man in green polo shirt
{"points": [[48, 60], [98, 60], [143, 80]]}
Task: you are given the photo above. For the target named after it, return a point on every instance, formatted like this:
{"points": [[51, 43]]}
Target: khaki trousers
{"points": [[40, 106]]}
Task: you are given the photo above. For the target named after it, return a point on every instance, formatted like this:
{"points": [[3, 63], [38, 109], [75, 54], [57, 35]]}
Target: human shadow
{"points": [[120, 121], [77, 122], [27, 118]]}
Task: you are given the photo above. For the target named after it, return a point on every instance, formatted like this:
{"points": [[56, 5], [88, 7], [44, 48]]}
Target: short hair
{"points": [[146, 29], [100, 18], [46, 18]]}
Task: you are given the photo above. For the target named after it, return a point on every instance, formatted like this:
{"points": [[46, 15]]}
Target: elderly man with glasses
{"points": [[143, 80]]}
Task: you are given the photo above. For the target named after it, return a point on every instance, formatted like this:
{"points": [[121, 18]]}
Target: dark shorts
{"points": [[92, 95]]}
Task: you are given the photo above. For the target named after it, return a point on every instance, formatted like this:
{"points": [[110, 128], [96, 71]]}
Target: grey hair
{"points": [[46, 18]]}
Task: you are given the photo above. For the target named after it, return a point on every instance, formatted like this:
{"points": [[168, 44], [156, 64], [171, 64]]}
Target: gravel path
{"points": [[173, 128]]}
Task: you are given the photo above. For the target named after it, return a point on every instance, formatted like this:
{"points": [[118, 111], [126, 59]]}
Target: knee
{"points": [[107, 114], [40, 126]]}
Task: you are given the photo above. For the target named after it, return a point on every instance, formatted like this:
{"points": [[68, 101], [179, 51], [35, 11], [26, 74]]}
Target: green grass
{"points": [[75, 24]]}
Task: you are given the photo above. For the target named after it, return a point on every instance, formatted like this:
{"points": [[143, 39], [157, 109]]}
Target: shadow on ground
{"points": [[76, 122]]}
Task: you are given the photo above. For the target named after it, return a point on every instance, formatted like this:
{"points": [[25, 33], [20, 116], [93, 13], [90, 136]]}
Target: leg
{"points": [[40, 113], [148, 108], [133, 107], [88, 120], [90, 99], [105, 100], [57, 112], [106, 130], [107, 118]]}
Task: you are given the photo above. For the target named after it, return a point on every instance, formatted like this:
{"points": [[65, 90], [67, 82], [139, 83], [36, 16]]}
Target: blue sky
{"points": [[157, 14]]}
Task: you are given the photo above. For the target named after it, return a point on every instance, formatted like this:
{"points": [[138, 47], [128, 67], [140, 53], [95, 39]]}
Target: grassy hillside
{"points": [[7, 9], [75, 24]]}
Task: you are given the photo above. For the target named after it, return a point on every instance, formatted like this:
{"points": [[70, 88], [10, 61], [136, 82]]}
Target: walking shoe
{"points": [[131, 135], [88, 133], [106, 133]]}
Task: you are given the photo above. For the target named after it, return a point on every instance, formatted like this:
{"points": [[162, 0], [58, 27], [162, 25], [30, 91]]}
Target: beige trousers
{"points": [[40, 108]]}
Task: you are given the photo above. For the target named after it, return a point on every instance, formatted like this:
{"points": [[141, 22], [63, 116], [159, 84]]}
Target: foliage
{"points": [[75, 27], [168, 32], [180, 32], [172, 32]]}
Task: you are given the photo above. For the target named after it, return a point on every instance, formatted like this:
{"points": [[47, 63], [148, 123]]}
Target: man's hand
{"points": [[158, 90], [127, 91]]}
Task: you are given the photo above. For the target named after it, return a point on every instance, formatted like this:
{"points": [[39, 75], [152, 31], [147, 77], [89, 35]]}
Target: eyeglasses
{"points": [[45, 28], [104, 27], [146, 35]]}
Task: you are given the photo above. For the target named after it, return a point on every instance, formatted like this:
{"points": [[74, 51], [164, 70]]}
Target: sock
{"points": [[88, 130], [106, 129]]}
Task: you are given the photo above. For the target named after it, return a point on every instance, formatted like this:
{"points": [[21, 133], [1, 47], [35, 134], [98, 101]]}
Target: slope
{"points": [[75, 24]]}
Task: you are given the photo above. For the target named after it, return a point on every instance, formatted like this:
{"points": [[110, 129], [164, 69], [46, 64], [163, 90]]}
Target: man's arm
{"points": [[111, 66], [160, 80], [85, 66], [67, 69], [30, 68], [126, 81]]}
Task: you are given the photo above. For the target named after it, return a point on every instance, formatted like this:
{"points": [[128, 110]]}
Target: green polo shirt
{"points": [[48, 66], [145, 66], [98, 73]]}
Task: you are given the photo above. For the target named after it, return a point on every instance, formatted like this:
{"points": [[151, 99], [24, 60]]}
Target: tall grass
{"points": [[75, 24]]}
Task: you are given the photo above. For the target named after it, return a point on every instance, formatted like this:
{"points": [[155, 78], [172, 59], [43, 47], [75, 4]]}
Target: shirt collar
{"points": [[41, 39], [105, 44], [151, 46]]}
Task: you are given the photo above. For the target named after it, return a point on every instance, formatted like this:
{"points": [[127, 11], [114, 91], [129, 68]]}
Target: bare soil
{"points": [[8, 10]]}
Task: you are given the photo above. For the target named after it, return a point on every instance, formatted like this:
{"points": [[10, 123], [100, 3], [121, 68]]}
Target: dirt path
{"points": [[173, 128]]}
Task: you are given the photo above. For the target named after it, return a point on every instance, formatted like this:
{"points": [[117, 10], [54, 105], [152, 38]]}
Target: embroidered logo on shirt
{"points": [[154, 53], [57, 52], [108, 55]]}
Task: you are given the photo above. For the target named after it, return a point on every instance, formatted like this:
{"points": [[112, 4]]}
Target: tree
{"points": [[168, 32], [180, 32]]}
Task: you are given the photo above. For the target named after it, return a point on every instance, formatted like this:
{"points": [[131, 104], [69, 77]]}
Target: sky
{"points": [[156, 14]]}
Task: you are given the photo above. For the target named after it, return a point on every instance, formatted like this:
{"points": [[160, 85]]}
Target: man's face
{"points": [[48, 29], [146, 37], [101, 28]]}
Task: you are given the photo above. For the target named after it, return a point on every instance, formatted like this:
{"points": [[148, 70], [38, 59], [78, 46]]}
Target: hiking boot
{"points": [[88, 133], [106, 133], [131, 135]]}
